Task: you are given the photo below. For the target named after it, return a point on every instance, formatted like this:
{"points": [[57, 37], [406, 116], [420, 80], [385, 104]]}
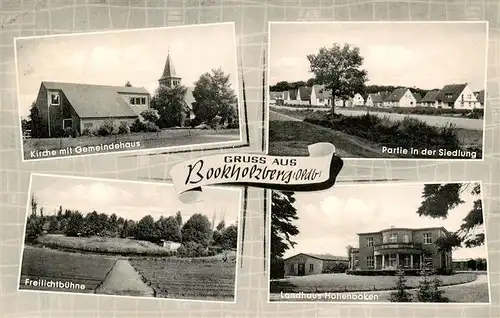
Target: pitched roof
{"points": [[293, 94], [417, 96], [407, 229], [378, 97], [321, 92], [189, 98], [324, 257], [168, 70], [305, 93], [430, 97], [396, 95], [275, 95], [101, 101], [480, 96], [450, 93]]}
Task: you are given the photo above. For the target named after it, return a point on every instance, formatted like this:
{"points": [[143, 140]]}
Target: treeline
{"points": [[195, 234], [369, 89]]}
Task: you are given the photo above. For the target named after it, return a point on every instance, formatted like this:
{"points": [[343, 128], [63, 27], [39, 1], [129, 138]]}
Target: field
{"points": [[164, 138], [103, 245], [291, 131], [50, 265], [346, 283], [189, 279]]}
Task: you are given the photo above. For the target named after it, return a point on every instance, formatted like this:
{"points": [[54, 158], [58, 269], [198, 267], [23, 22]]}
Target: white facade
{"points": [[467, 100], [358, 100], [317, 101], [369, 101], [408, 100]]}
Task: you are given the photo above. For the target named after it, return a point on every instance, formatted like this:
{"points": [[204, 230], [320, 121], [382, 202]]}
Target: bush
{"points": [[123, 128], [68, 132], [192, 249], [334, 268], [151, 115], [106, 128], [88, 132], [137, 126], [151, 127], [388, 272]]}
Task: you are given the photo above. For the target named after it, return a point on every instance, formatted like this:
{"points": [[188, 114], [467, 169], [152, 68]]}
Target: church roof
{"points": [[169, 70]]}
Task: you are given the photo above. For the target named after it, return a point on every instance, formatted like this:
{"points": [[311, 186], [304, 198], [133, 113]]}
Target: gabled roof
{"points": [[480, 97], [189, 98], [305, 93], [97, 101], [321, 92], [378, 97], [450, 93], [286, 94], [293, 94], [396, 95], [417, 96], [430, 97], [323, 257], [169, 70], [275, 95]]}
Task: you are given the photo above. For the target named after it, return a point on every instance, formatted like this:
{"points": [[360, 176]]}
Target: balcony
{"points": [[398, 247]]}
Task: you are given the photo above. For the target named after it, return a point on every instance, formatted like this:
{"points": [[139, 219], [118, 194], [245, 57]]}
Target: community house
{"points": [[400, 248], [310, 264], [79, 107], [453, 96]]}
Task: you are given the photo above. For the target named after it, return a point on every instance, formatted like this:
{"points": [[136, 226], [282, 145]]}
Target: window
{"points": [[54, 99], [370, 261], [67, 123], [369, 241], [393, 260], [88, 125], [427, 238], [132, 101], [311, 267], [393, 238], [143, 100], [406, 238], [384, 239]]}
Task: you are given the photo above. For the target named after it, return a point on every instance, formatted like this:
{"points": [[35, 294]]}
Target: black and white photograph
{"points": [[378, 90], [129, 238], [385, 243], [147, 89]]}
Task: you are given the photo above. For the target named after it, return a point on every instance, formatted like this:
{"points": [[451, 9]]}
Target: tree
{"points": [[283, 213], [34, 204], [34, 228], [151, 115], [400, 294], [197, 229], [36, 122], [53, 224], [220, 226], [60, 213], [428, 290], [127, 84], [440, 199], [214, 96], [310, 82], [75, 224], [145, 229], [170, 104], [178, 217], [339, 69], [229, 237], [169, 229]]}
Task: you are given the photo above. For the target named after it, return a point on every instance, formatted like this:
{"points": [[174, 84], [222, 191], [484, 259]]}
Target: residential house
{"points": [[304, 95], [320, 96], [418, 99], [310, 264], [85, 106], [407, 248], [480, 97], [358, 100], [469, 264], [275, 97], [429, 99], [376, 100], [457, 96], [292, 97], [400, 97], [173, 246]]}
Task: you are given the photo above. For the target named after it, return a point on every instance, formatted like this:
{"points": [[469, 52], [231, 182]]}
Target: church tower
{"points": [[169, 78]]}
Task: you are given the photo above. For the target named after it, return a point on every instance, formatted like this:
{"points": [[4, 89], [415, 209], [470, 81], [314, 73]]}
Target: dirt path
{"points": [[123, 279]]}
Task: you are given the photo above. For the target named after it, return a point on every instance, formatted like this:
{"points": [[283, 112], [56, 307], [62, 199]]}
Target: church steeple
{"points": [[169, 77]]}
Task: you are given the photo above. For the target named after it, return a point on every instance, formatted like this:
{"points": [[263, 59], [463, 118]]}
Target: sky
{"points": [[425, 55], [130, 200], [330, 220], [113, 58]]}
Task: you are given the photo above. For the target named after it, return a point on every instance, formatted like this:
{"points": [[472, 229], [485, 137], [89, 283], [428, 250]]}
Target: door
{"points": [[301, 271]]}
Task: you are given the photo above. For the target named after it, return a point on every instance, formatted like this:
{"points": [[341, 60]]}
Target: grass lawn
{"points": [[291, 138], [50, 265], [468, 294], [104, 245], [342, 282], [208, 279]]}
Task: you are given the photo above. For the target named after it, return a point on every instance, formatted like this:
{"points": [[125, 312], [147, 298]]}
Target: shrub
{"points": [[151, 127], [151, 115], [123, 128], [106, 128], [334, 268], [88, 132], [68, 132], [191, 249], [137, 126]]}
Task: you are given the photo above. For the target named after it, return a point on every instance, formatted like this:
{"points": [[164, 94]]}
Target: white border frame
{"points": [[267, 90], [377, 303], [242, 114], [159, 184]]}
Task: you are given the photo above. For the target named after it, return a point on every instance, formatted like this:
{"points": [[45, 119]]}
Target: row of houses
{"points": [[388, 249], [454, 96]]}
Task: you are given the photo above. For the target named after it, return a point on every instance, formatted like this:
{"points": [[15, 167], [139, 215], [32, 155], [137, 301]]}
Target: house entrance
{"points": [[301, 271]]}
